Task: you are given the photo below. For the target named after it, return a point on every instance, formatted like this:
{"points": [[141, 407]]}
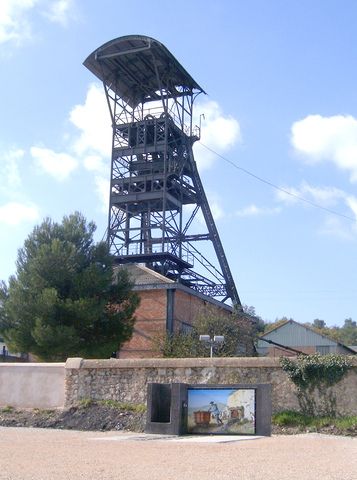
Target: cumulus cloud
{"points": [[336, 227], [93, 121], [10, 173], [218, 131], [332, 139], [14, 24], [329, 198], [351, 202], [216, 209], [94, 163], [324, 196], [254, 210], [16, 17], [14, 213], [102, 190], [59, 11], [94, 142], [58, 165]]}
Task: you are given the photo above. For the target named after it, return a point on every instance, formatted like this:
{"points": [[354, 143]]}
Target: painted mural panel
{"points": [[221, 411]]}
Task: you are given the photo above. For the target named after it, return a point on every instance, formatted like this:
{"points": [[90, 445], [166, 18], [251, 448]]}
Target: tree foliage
{"points": [[238, 331], [313, 376], [347, 334], [64, 300]]}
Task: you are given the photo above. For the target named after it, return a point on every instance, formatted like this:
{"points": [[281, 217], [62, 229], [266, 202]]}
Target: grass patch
{"points": [[291, 418], [43, 411], [122, 406], [85, 402], [7, 409], [129, 407]]}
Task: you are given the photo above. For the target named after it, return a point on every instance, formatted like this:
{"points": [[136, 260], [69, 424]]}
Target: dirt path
{"points": [[43, 454]]}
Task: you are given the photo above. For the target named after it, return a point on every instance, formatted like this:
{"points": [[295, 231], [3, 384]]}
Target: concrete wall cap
{"points": [[32, 365], [73, 363], [253, 362]]}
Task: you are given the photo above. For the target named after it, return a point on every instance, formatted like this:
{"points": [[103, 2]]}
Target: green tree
{"points": [[238, 331], [348, 333], [64, 299], [320, 324], [278, 321]]}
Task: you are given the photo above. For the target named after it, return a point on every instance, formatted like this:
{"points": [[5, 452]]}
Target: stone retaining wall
{"points": [[126, 380]]}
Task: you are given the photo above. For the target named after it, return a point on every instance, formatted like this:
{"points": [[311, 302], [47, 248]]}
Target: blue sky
{"points": [[201, 398], [281, 103]]}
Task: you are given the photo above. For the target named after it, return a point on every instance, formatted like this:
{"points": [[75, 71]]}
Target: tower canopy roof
{"points": [[136, 66]]}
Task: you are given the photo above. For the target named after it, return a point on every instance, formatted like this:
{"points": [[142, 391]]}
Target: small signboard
{"points": [[217, 410]]}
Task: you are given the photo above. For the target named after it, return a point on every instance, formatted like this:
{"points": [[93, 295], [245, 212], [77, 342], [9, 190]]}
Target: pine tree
{"points": [[64, 299]]}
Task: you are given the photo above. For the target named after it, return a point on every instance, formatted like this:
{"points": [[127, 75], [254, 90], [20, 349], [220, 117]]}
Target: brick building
{"points": [[165, 305]]}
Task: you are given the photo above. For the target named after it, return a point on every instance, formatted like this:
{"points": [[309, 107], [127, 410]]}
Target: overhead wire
{"points": [[276, 187]]}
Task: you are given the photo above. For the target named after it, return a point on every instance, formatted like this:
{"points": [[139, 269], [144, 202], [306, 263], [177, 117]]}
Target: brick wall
{"points": [[151, 318], [150, 321], [187, 307]]}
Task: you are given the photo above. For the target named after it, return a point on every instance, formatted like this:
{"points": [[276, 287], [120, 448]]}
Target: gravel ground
{"points": [[42, 454]]}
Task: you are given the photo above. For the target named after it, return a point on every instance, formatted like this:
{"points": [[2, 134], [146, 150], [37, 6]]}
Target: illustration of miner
{"points": [[215, 412]]}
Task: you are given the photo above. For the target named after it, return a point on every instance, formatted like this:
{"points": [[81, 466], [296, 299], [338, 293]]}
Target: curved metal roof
{"points": [[133, 66]]}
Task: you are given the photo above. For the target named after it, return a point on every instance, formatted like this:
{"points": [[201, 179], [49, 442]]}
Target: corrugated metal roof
{"points": [[293, 334], [129, 65]]}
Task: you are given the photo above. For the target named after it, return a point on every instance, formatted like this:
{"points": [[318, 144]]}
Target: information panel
{"points": [[217, 410]]}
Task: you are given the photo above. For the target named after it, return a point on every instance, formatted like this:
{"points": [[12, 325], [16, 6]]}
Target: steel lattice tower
{"points": [[156, 191]]}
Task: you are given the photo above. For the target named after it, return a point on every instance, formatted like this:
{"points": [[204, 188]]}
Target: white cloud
{"points": [[351, 202], [330, 198], [217, 211], [324, 196], [218, 131], [331, 139], [336, 227], [94, 143], [93, 120], [14, 213], [94, 163], [95, 139], [102, 189], [14, 24], [58, 165], [10, 174], [59, 11], [253, 210]]}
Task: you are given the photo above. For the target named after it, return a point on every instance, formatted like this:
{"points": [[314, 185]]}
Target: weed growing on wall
{"points": [[314, 375]]}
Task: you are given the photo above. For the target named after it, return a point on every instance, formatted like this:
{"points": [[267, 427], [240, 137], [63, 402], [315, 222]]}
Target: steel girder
{"points": [[156, 194]]}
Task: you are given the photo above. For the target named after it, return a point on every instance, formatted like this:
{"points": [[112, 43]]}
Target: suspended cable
{"points": [[276, 187]]}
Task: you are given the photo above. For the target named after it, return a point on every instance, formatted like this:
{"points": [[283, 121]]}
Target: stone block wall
{"points": [[126, 380]]}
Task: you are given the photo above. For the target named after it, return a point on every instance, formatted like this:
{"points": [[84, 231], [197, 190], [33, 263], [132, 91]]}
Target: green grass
{"points": [[123, 406], [85, 402], [129, 407], [7, 409], [291, 418]]}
